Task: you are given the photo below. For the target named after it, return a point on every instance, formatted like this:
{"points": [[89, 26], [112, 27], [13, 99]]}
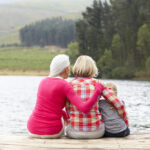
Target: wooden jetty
{"points": [[138, 141]]}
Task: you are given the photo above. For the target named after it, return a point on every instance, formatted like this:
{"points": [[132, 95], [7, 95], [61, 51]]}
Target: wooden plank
{"points": [[139, 141]]}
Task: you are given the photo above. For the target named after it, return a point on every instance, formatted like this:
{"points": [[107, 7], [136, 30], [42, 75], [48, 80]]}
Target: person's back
{"points": [[114, 124], [84, 125], [48, 110], [91, 121]]}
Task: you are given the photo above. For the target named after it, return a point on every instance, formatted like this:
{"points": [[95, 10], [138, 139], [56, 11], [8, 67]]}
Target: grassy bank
{"points": [[19, 60], [32, 61], [10, 38]]}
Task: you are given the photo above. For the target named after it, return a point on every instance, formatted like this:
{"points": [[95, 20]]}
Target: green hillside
{"points": [[16, 15], [35, 58], [10, 38], [27, 11], [13, 17]]}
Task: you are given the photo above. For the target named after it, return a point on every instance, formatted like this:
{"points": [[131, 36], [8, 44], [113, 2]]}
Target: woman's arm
{"points": [[116, 103], [76, 100]]}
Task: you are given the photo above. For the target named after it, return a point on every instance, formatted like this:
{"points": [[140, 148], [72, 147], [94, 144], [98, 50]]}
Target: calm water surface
{"points": [[18, 97]]}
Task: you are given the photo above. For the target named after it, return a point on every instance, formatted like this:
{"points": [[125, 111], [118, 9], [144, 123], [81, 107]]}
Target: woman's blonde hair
{"points": [[85, 66]]}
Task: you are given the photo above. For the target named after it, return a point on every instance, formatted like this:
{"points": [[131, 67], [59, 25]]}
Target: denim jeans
{"points": [[120, 134]]}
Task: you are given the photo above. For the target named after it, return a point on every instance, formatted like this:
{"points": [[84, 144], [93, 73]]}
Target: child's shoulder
{"points": [[104, 102]]}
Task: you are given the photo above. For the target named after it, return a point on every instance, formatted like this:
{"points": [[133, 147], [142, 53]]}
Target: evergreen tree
{"points": [[115, 26], [143, 43], [117, 49], [54, 31], [147, 64], [91, 30], [106, 64]]}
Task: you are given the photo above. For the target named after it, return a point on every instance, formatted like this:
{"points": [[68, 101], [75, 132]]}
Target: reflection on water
{"points": [[18, 96]]}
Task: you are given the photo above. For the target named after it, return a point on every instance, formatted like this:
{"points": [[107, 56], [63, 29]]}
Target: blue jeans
{"points": [[120, 134]]}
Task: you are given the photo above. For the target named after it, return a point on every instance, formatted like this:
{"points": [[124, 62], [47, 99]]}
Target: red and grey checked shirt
{"points": [[91, 121]]}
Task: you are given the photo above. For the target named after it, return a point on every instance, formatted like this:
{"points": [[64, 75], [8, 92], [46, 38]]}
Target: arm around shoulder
{"points": [[116, 103], [76, 100]]}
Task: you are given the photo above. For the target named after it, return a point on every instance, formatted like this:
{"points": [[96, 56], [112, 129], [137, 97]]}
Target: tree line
{"points": [[55, 31], [117, 35]]}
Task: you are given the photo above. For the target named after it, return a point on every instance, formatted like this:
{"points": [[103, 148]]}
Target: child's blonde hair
{"points": [[112, 87], [85, 66]]}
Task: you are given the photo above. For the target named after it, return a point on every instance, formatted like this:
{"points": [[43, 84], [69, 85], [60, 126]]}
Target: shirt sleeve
{"points": [[76, 100], [116, 103]]}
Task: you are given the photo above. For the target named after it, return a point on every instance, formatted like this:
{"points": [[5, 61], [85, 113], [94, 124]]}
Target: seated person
{"points": [[114, 124], [88, 125]]}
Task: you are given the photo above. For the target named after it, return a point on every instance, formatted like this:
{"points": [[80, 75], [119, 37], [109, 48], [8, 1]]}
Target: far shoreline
{"points": [[24, 73], [46, 73]]}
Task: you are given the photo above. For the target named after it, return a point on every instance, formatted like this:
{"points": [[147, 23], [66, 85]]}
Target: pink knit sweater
{"points": [[51, 98]]}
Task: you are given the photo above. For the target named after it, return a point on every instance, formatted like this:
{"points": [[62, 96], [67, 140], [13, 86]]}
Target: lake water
{"points": [[18, 97]]}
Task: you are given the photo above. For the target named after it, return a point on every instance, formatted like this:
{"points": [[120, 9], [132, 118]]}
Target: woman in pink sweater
{"points": [[45, 120]]}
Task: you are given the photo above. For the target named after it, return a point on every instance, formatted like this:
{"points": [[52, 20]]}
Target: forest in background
{"points": [[115, 34], [54, 31], [17, 13]]}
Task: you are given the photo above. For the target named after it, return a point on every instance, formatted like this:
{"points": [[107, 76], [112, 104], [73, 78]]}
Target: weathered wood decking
{"points": [[139, 141]]}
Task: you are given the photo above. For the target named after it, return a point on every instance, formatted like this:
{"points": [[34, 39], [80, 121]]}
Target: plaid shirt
{"points": [[91, 121]]}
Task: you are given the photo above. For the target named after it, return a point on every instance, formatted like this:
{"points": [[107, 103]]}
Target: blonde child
{"points": [[114, 124]]}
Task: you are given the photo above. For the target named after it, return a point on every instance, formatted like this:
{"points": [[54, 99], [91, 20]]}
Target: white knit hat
{"points": [[58, 64]]}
